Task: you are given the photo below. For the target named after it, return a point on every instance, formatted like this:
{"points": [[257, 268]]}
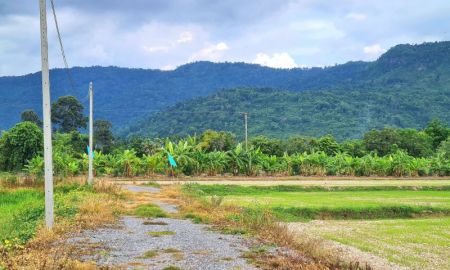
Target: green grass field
{"points": [[390, 223], [16, 206], [296, 203], [416, 243], [22, 209]]}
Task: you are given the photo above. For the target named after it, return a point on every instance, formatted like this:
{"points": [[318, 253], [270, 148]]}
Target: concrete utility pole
{"points": [[91, 134], [246, 130], [48, 159]]}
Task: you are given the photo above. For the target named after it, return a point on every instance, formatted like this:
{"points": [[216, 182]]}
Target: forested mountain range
{"points": [[406, 87]]}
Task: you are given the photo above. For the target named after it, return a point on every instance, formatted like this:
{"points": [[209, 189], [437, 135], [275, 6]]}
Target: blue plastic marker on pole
{"points": [[171, 160], [89, 152]]}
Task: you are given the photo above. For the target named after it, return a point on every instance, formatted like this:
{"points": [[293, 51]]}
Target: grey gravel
{"points": [[141, 188], [124, 244]]}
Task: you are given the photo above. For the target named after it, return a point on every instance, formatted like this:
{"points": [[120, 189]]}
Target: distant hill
{"points": [[346, 114], [416, 73]]}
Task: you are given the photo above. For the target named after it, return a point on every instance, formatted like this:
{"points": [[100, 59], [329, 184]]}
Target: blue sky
{"points": [[168, 33]]}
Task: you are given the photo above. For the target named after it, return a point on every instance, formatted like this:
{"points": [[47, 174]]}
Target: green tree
{"points": [[354, 148], [31, 116], [326, 144], [19, 145], [67, 114], [382, 142], [212, 140], [437, 131], [444, 149], [268, 146], [103, 136], [298, 144], [415, 143]]}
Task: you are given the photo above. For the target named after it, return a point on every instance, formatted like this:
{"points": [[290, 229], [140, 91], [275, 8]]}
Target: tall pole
{"points": [[246, 130], [91, 133], [48, 160]]}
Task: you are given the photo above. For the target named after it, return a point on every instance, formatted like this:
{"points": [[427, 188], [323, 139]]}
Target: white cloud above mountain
{"points": [[276, 60]]}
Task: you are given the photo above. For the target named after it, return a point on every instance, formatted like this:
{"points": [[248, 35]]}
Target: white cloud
{"points": [[168, 67], [277, 60], [374, 50], [211, 53], [185, 37], [356, 16], [155, 49], [317, 29]]}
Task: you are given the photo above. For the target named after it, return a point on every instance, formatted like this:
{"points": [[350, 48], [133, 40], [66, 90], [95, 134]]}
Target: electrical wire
{"points": [[69, 75]]}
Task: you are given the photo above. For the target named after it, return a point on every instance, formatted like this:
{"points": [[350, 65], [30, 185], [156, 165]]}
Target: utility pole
{"points": [[48, 159], [246, 130], [91, 134]]}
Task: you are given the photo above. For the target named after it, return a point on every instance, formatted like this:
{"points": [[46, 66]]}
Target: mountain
{"points": [[408, 86], [277, 113], [123, 95]]}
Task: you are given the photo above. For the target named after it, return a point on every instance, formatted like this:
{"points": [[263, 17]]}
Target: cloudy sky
{"points": [[168, 33]]}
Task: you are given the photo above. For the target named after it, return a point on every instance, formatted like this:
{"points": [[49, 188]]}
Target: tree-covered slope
{"points": [[124, 95], [343, 113]]}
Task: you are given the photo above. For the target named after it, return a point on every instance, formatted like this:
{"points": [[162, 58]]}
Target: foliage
{"points": [[31, 116], [212, 140], [437, 131], [103, 136], [67, 114], [20, 144]]}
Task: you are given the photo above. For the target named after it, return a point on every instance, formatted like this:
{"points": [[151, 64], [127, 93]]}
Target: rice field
{"points": [[415, 243], [406, 226]]}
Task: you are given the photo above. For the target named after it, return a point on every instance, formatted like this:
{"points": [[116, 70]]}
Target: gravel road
{"points": [[128, 244]]}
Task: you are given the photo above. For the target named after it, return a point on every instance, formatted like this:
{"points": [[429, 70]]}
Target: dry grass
{"points": [[262, 225], [49, 248]]}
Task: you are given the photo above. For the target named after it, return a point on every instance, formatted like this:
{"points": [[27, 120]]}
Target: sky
{"points": [[165, 34]]}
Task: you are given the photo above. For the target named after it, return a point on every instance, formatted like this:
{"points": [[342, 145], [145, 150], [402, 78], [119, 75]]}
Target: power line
{"points": [[72, 83]]}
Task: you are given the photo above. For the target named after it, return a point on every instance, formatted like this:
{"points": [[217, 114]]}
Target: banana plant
{"points": [[35, 167], [128, 163], [154, 164]]}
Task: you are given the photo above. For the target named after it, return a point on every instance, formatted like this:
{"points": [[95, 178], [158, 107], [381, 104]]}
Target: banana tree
{"points": [[154, 164], [128, 163]]}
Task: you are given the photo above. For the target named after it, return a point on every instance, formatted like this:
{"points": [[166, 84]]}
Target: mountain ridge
{"points": [[123, 95]]}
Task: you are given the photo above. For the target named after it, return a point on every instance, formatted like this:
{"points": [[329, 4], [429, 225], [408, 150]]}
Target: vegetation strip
{"points": [[297, 203], [224, 190]]}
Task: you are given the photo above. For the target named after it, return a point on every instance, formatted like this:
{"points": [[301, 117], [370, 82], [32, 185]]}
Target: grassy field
{"points": [[295, 203], [22, 209], [390, 223], [416, 243], [18, 207]]}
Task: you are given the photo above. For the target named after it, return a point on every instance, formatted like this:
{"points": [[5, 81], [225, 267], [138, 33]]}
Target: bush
{"points": [[19, 145]]}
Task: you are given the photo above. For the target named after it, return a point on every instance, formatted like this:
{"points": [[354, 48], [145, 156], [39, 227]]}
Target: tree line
{"points": [[383, 152]]}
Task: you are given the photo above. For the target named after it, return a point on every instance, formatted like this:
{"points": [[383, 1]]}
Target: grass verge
{"points": [[26, 244]]}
